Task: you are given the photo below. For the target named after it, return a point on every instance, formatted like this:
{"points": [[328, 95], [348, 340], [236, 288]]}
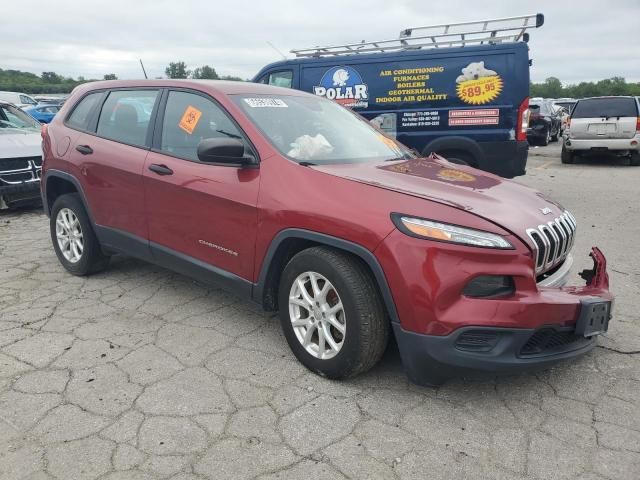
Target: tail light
{"points": [[638, 124], [569, 123], [523, 120], [43, 130]]}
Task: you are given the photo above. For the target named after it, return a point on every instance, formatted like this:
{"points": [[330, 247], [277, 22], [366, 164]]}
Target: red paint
{"points": [[243, 209]]}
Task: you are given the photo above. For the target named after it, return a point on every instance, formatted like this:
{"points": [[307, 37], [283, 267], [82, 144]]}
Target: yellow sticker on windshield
{"points": [[190, 119], [389, 142]]}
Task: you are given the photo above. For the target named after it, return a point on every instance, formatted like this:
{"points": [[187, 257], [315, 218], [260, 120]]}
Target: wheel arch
{"points": [[458, 144], [58, 183], [289, 242]]}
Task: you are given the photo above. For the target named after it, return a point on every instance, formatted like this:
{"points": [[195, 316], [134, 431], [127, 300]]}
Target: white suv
{"points": [[610, 124]]}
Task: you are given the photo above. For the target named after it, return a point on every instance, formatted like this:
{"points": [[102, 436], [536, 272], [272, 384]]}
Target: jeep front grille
{"points": [[14, 171], [553, 241]]}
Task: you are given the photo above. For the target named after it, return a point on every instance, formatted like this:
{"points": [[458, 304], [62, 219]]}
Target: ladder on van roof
{"points": [[494, 31]]}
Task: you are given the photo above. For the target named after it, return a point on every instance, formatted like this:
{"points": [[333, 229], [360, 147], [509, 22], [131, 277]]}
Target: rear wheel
{"points": [[458, 157], [331, 312], [74, 240], [634, 159], [566, 156], [546, 138]]}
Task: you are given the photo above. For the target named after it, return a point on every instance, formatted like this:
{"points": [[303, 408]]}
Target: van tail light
{"points": [[569, 123], [523, 120], [638, 124]]}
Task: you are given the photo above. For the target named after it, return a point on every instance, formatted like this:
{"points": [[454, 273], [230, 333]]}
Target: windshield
{"points": [[314, 130], [12, 119], [605, 107]]}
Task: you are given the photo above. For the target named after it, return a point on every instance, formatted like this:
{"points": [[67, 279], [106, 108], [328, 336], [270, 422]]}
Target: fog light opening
{"points": [[490, 286]]}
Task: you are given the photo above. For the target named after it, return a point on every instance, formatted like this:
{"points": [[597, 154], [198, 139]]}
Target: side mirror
{"points": [[223, 151]]}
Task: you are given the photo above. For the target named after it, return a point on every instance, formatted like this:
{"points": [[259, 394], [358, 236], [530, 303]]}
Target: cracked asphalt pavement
{"points": [[138, 373]]}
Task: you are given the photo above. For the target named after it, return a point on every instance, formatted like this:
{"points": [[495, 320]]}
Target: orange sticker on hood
{"points": [[190, 119]]}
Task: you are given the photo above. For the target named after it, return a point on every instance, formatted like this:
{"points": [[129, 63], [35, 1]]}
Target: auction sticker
{"points": [[265, 103], [190, 119]]}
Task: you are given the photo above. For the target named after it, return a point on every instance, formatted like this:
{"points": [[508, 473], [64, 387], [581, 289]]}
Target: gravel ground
{"points": [[139, 373]]}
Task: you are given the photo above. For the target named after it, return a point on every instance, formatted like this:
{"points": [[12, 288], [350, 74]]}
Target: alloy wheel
{"points": [[69, 235], [317, 315]]}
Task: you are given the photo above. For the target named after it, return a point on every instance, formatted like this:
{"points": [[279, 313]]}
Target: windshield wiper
{"points": [[306, 164], [228, 134]]}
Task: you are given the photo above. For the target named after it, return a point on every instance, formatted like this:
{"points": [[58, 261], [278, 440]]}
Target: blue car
{"points": [[42, 113]]}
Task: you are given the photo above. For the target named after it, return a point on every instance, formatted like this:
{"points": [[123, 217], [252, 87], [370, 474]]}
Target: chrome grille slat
{"points": [[29, 170], [553, 241]]}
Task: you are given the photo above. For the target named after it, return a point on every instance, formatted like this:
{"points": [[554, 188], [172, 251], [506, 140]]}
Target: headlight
{"points": [[444, 232]]}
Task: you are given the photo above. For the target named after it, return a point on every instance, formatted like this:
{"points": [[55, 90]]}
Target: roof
{"points": [[225, 87]]}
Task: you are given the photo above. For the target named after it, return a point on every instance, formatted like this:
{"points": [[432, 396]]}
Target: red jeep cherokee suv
{"points": [[298, 204]]}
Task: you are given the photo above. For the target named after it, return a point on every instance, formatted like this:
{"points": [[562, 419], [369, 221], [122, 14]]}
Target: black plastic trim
{"points": [[117, 241], [431, 359], [367, 256], [70, 178]]}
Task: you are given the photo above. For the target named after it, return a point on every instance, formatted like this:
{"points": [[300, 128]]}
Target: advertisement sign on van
{"points": [[344, 85]]}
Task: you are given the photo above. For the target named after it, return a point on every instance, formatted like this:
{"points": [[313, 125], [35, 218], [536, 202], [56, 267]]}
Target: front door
{"points": [[196, 211]]}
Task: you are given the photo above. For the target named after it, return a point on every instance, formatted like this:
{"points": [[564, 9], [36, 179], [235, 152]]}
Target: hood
{"points": [[506, 203], [16, 143]]}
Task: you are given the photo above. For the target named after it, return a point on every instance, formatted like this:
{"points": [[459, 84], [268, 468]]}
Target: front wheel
{"points": [[331, 312], [74, 240]]}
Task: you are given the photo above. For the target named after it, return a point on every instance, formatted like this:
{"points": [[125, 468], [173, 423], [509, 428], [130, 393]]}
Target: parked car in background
{"points": [[51, 100], [20, 157], [604, 124], [42, 113], [564, 116], [545, 123], [566, 103], [18, 99], [297, 203]]}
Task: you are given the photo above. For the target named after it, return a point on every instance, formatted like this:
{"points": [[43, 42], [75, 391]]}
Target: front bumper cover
{"points": [[432, 359]]}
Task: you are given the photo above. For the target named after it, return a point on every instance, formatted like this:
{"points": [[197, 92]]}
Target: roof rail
{"points": [[497, 30]]}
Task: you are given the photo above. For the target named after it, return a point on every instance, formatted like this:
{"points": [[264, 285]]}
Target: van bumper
{"points": [[507, 158]]}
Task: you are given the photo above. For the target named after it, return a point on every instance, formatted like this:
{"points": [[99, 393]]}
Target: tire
{"points": [[544, 141], [459, 158], [634, 159], [567, 156], [363, 316], [91, 259]]}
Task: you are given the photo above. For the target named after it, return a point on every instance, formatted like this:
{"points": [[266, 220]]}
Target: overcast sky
{"points": [[581, 40]]}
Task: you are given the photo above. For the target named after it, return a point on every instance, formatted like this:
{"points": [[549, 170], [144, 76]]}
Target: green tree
{"points": [[177, 70], [110, 76], [205, 72], [51, 77], [231, 77]]}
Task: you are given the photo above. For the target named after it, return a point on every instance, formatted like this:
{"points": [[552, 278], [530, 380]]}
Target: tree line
{"points": [[51, 82], [552, 87]]}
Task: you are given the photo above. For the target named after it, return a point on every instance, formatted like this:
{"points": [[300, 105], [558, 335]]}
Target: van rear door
{"points": [[604, 117]]}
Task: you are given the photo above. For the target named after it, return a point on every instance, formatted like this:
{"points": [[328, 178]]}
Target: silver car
{"points": [[604, 124]]}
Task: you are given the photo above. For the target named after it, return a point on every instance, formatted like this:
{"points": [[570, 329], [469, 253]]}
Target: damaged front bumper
{"points": [[570, 319]]}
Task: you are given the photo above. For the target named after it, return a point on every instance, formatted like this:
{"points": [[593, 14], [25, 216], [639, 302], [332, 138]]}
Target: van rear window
{"points": [[605, 107]]}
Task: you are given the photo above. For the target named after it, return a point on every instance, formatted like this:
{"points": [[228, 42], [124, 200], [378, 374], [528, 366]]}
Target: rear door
{"points": [[111, 160], [605, 118]]}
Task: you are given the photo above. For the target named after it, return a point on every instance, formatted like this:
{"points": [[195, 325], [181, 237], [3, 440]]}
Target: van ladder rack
{"points": [[497, 30]]}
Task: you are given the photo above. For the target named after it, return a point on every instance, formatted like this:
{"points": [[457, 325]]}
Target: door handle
{"points": [[160, 169], [84, 149]]}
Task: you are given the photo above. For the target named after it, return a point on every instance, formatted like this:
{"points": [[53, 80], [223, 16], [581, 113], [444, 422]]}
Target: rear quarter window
{"points": [[81, 114], [605, 107]]}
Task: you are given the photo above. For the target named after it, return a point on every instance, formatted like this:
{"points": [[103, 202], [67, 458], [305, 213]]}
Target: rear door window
{"points": [[281, 79], [81, 115], [605, 107], [125, 116]]}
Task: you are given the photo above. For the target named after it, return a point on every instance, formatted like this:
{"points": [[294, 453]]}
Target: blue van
{"points": [[467, 103]]}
